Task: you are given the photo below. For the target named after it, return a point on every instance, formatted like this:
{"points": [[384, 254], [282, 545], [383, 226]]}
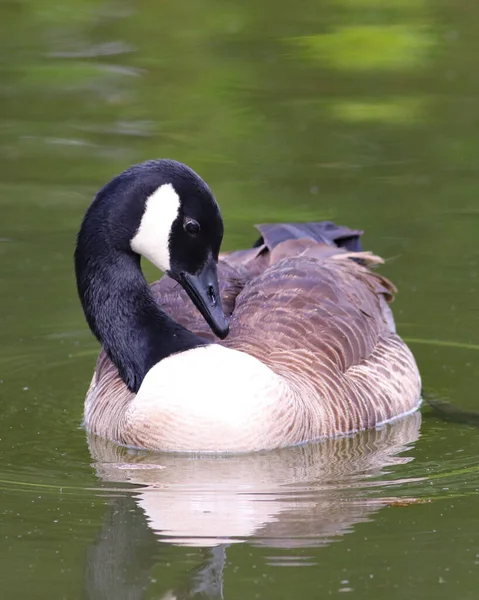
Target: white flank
{"points": [[151, 239]]}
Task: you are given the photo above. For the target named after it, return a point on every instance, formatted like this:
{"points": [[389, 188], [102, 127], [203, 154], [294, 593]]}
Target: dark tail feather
{"points": [[324, 231]]}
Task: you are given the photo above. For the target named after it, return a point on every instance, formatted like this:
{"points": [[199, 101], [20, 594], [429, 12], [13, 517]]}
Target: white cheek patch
{"points": [[151, 239]]}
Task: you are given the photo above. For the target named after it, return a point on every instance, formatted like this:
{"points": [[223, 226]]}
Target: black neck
{"points": [[123, 314]]}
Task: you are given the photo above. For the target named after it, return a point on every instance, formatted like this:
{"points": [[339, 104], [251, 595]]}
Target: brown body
{"points": [[317, 316]]}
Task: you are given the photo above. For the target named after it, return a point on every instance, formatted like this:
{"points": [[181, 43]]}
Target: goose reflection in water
{"points": [[292, 496], [309, 495]]}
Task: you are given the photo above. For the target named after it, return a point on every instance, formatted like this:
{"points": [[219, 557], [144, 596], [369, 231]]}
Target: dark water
{"points": [[361, 111]]}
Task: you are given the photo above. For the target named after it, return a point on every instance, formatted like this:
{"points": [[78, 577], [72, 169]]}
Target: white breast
{"points": [[206, 399]]}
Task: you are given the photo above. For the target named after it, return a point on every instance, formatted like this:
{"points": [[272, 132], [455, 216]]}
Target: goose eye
{"points": [[191, 226]]}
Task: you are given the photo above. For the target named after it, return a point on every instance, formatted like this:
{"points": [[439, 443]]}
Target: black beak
{"points": [[204, 291]]}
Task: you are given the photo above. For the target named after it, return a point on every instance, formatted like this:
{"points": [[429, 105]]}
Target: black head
{"points": [[164, 211]]}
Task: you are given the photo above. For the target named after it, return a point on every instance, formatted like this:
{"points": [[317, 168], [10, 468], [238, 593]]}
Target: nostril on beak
{"points": [[212, 295]]}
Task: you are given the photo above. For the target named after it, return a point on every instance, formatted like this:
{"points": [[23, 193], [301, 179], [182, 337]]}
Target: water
{"points": [[347, 110]]}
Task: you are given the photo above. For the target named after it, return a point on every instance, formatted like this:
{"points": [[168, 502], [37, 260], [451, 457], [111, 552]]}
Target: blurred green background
{"points": [[361, 111]]}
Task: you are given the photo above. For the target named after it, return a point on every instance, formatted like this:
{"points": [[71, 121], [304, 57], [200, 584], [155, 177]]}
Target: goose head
{"points": [[163, 211], [180, 232]]}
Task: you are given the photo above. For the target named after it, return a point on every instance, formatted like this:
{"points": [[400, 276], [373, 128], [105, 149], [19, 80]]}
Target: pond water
{"points": [[358, 111]]}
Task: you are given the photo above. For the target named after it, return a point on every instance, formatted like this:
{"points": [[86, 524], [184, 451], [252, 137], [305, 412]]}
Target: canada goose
{"points": [[312, 350]]}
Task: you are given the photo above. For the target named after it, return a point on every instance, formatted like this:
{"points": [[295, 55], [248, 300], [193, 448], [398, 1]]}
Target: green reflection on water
{"points": [[368, 47]]}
